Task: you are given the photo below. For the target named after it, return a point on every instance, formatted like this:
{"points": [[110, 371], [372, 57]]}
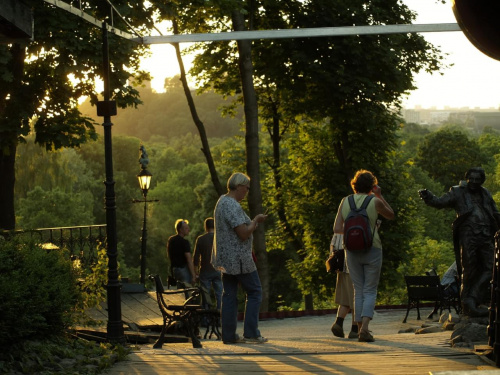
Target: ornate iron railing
{"points": [[494, 317], [81, 241]]}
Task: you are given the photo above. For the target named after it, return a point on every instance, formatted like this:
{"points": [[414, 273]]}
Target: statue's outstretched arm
{"points": [[447, 200]]}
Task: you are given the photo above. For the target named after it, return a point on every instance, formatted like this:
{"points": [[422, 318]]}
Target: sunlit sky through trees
{"points": [[472, 80]]}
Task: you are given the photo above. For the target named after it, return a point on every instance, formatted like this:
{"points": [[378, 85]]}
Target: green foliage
{"points": [[37, 289], [426, 253], [290, 296], [54, 208], [489, 143], [428, 221], [64, 169], [447, 154], [410, 136], [92, 285], [44, 356], [167, 115], [310, 203], [179, 183]]}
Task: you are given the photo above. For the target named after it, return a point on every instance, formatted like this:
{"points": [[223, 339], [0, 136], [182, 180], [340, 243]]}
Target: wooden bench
{"points": [[185, 313], [189, 313], [426, 289]]}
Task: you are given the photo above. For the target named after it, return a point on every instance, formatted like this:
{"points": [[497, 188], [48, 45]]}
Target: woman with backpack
{"points": [[357, 221]]}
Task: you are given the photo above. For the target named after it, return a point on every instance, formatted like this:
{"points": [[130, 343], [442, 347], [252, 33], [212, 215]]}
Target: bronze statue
{"points": [[474, 229], [144, 160]]}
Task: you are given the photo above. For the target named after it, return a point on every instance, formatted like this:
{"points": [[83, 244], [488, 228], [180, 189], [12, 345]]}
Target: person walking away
{"points": [[365, 265], [232, 255], [344, 296], [179, 254], [208, 275]]}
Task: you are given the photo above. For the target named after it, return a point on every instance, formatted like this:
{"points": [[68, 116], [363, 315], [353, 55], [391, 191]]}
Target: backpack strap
{"points": [[350, 199], [366, 202]]}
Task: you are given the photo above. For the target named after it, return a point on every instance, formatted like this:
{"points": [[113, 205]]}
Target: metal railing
{"points": [[494, 311], [81, 241]]}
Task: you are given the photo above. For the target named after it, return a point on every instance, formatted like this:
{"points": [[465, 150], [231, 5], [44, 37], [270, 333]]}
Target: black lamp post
{"points": [[144, 182], [107, 108]]}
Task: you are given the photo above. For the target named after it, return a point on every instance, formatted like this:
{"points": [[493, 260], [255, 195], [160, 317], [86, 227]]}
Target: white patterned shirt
{"points": [[230, 254]]}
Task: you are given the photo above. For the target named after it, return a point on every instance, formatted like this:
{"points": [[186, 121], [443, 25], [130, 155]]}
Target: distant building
{"points": [[437, 117], [483, 119], [411, 115], [476, 119]]}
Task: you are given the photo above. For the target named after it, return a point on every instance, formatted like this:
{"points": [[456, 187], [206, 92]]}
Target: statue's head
{"points": [[475, 178]]}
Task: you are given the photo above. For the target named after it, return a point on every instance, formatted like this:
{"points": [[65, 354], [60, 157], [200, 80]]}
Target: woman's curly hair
{"points": [[363, 181]]}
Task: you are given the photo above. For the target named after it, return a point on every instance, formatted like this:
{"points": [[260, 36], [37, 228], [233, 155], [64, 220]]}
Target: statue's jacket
{"points": [[459, 198]]}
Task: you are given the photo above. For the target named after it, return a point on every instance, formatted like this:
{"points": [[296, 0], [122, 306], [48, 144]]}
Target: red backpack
{"points": [[358, 234]]}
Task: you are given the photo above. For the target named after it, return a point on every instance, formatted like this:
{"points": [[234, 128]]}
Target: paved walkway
{"points": [[306, 345]]}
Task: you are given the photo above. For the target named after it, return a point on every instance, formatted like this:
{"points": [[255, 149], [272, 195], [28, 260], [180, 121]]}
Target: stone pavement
{"points": [[306, 345]]}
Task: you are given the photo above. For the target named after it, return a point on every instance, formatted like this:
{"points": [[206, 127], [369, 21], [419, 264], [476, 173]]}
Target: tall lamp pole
{"points": [[107, 108], [144, 178]]}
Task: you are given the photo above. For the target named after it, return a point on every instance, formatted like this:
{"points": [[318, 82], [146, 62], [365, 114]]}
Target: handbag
{"points": [[336, 259]]}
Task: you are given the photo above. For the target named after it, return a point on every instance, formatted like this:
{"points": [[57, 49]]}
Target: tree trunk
{"points": [[341, 152], [194, 114], [8, 138], [7, 182], [252, 152], [296, 242]]}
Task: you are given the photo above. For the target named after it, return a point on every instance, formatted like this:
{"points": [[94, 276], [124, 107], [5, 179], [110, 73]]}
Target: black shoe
{"points": [[353, 335], [337, 330]]}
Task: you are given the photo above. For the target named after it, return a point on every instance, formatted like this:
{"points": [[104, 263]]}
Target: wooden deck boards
{"points": [[299, 345], [247, 359], [141, 309]]}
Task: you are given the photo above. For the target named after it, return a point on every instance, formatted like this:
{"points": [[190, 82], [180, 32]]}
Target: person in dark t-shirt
{"points": [[179, 254]]}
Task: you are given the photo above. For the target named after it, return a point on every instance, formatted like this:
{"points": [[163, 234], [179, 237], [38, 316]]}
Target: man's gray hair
{"points": [[237, 179]]}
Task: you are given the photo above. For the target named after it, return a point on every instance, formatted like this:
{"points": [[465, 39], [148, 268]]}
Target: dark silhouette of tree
{"points": [[37, 93]]}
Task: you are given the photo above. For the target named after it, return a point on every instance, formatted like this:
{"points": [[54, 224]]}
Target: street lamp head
{"points": [[144, 181]]}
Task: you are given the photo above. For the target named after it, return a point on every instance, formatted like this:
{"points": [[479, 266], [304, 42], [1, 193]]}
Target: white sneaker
{"points": [[237, 340], [256, 340]]}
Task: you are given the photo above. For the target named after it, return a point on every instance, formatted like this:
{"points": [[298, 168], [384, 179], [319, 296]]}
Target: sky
{"points": [[472, 80]]}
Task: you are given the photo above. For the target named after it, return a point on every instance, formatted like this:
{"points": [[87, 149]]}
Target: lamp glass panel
{"points": [[144, 181]]}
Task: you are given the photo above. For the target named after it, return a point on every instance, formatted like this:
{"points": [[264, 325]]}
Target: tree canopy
{"points": [[444, 154], [347, 89], [42, 81]]}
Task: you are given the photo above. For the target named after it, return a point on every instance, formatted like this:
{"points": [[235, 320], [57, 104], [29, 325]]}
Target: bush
{"points": [[38, 291], [61, 355]]}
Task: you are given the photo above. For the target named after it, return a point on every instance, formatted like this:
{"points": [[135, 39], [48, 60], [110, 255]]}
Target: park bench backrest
{"points": [[158, 283], [424, 288]]}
